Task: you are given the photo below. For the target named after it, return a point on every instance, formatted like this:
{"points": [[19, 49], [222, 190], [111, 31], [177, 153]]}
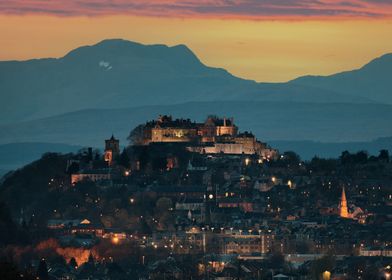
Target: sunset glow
{"points": [[260, 40]]}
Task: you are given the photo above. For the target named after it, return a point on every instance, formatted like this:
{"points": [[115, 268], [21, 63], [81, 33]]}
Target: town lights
{"points": [[131, 200], [115, 240], [387, 275], [247, 161], [326, 275], [126, 173]]}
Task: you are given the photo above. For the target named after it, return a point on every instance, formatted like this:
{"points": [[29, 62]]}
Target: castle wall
{"points": [[226, 130], [173, 134]]}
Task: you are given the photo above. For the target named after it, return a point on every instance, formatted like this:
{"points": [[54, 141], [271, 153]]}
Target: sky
{"points": [[263, 40]]}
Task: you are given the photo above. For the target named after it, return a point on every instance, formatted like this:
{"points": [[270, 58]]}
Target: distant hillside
{"points": [[16, 155], [308, 149], [119, 73], [268, 120], [372, 81]]}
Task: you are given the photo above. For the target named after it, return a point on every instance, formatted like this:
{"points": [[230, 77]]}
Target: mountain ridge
{"points": [[120, 73], [372, 80]]}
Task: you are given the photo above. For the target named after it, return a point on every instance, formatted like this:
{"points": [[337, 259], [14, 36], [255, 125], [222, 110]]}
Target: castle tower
{"points": [[112, 150], [343, 206]]}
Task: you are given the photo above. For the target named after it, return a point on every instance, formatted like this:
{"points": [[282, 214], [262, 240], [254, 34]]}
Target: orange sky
{"points": [[264, 50]]}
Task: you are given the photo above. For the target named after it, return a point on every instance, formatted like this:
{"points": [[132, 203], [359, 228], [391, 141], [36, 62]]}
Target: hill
{"points": [[267, 120], [16, 155]]}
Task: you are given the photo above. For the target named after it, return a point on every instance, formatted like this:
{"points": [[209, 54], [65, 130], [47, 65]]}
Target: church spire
{"points": [[343, 205]]}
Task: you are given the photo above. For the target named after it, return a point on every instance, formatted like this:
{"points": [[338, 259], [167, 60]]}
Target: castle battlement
{"points": [[213, 136]]}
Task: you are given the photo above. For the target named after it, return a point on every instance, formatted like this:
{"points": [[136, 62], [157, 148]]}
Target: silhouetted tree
{"points": [[321, 265], [384, 155], [42, 271], [136, 135], [72, 263], [291, 157], [91, 258], [358, 158], [276, 260], [9, 271], [124, 159]]}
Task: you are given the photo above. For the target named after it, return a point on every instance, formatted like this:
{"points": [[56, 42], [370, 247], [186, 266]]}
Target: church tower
{"points": [[343, 206], [112, 150]]}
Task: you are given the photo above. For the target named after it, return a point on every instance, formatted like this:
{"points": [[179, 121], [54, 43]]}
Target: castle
{"points": [[214, 136]]}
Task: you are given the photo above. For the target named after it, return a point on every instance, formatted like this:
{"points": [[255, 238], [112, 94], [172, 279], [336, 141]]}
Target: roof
{"points": [[175, 189], [280, 276]]}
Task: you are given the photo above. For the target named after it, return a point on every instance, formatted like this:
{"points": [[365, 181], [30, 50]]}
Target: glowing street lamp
{"points": [[115, 240], [326, 275]]}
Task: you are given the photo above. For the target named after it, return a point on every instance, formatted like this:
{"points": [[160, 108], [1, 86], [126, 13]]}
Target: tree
{"points": [[163, 204], [371, 273], [361, 157], [124, 159], [136, 136], [276, 260], [91, 258], [326, 263], [9, 271], [42, 271], [384, 156], [345, 157], [72, 263]]}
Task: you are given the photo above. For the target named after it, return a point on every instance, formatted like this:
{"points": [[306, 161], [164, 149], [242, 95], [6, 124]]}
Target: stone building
{"points": [[112, 150], [214, 136]]}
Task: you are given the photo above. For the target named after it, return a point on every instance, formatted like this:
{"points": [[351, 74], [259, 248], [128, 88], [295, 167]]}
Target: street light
{"points": [[387, 275], [326, 275]]}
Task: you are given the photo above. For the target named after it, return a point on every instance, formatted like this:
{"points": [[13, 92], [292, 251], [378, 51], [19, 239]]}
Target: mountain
{"points": [[118, 73], [110, 87], [372, 81]]}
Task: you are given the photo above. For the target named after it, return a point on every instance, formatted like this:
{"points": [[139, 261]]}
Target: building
{"points": [[343, 209], [94, 175], [246, 244], [214, 136], [112, 150]]}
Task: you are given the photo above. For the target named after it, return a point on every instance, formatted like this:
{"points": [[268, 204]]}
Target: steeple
{"points": [[343, 205]]}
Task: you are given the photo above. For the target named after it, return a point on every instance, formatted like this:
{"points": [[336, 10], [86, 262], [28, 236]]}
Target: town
{"points": [[188, 200]]}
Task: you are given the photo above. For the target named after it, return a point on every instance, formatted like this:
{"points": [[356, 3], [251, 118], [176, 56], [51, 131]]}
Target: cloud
{"points": [[246, 9]]}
